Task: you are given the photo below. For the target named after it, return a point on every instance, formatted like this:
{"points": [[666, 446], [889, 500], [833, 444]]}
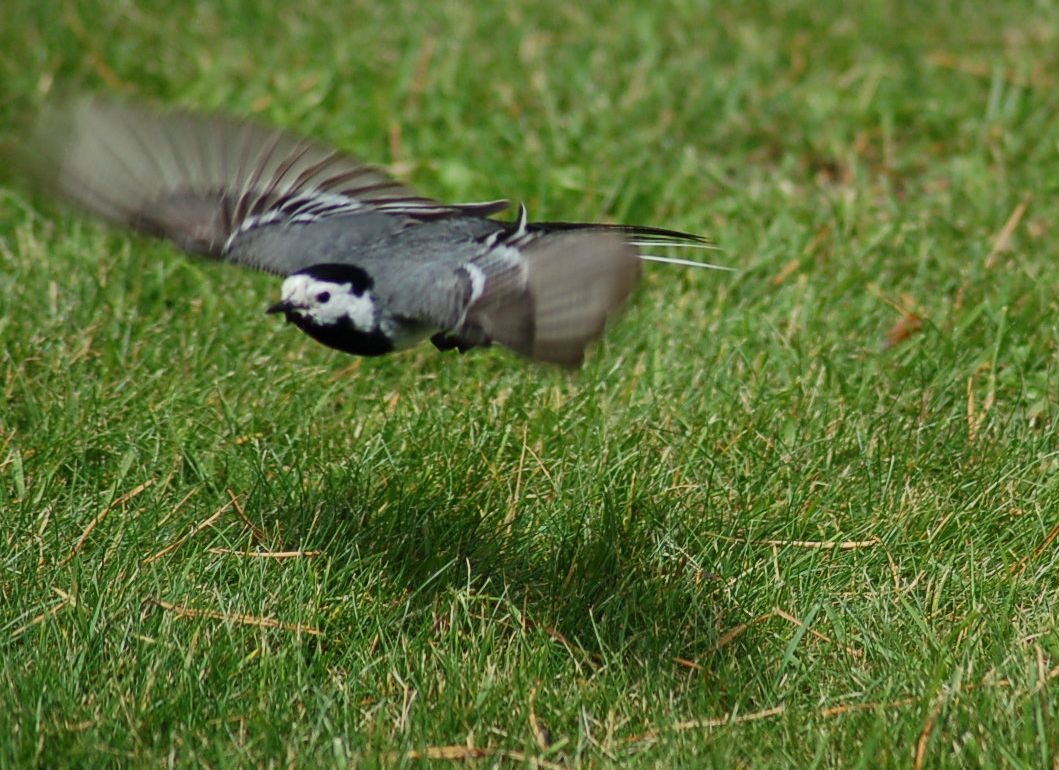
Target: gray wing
{"points": [[223, 188], [544, 295]]}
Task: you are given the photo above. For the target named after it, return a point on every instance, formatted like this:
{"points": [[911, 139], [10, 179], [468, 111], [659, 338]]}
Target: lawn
{"points": [[804, 514]]}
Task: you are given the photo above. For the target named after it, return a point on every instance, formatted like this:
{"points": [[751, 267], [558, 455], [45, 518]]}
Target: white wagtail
{"points": [[370, 266]]}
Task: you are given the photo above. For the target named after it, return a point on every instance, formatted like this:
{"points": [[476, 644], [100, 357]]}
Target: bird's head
{"points": [[328, 295]]}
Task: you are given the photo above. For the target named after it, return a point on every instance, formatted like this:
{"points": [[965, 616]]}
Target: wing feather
{"points": [[204, 180], [547, 298]]}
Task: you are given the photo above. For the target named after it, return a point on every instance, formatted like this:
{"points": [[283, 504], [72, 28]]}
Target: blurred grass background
{"points": [[800, 515]]}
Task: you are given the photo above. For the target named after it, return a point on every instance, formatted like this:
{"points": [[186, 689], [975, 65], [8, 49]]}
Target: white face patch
{"points": [[327, 302]]}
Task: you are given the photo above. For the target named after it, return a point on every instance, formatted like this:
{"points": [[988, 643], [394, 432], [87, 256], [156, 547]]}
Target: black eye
{"points": [[323, 297]]}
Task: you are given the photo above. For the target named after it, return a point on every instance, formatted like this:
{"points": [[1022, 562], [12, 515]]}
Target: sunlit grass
{"points": [[799, 515]]}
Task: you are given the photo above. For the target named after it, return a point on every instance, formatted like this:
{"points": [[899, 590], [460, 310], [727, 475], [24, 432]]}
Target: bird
{"points": [[369, 265]]}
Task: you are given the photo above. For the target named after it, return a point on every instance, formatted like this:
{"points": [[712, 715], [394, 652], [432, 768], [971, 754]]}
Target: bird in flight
{"points": [[369, 265]]}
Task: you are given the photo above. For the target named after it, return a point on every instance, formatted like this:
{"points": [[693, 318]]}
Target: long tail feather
{"points": [[634, 234], [687, 263], [638, 236]]}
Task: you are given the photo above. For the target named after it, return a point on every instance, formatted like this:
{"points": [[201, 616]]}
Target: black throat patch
{"points": [[344, 336]]}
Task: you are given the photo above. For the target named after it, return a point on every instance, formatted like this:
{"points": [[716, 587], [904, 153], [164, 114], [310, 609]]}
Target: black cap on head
{"points": [[334, 272]]}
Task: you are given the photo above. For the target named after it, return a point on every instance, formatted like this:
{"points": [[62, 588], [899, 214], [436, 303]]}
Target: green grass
{"points": [[571, 569]]}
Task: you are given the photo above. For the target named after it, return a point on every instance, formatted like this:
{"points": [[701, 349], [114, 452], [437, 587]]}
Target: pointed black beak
{"points": [[280, 307]]}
